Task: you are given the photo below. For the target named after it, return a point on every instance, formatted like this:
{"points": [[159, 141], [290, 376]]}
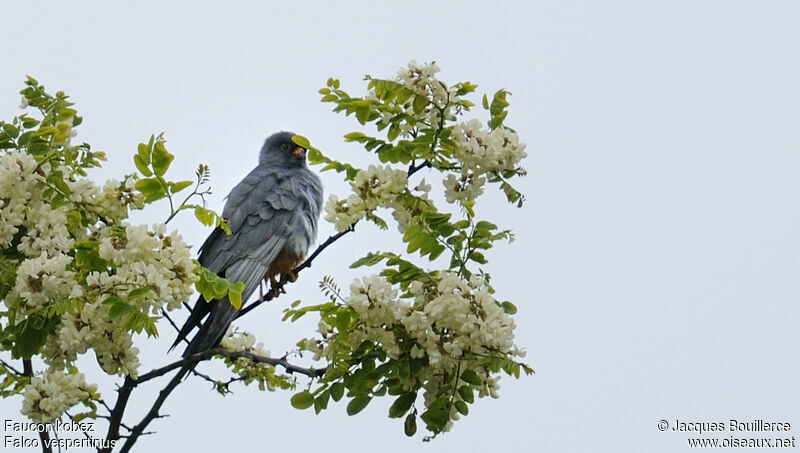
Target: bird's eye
{"points": [[285, 146]]}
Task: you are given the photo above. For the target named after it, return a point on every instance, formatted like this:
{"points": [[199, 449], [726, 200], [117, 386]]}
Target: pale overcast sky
{"points": [[657, 258]]}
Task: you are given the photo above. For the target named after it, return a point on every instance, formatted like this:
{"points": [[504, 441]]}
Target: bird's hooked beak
{"points": [[299, 152]]}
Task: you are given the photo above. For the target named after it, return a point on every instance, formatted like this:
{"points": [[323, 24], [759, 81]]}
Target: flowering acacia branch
{"points": [[72, 280]]}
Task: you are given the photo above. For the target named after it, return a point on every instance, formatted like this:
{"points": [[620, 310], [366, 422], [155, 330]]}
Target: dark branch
{"points": [[174, 326], [115, 421], [415, 168], [282, 362], [205, 355], [138, 430], [9, 367]]}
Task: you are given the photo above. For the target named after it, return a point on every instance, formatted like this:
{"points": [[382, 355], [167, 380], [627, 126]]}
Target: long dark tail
{"points": [[213, 328], [200, 310]]}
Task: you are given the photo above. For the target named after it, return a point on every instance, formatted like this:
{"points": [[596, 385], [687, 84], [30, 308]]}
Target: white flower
{"points": [[377, 186], [43, 279], [341, 214], [375, 301], [48, 396], [25, 102], [237, 341], [466, 188], [482, 150]]}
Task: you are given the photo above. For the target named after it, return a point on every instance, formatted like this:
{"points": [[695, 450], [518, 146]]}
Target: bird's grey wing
{"points": [[260, 213]]}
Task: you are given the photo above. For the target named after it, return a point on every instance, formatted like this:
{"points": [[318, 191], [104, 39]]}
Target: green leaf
{"points": [[301, 141], [141, 165], [137, 293], [302, 400], [119, 309], [466, 393], [143, 151], [204, 215], [56, 178], [462, 407], [371, 259], [402, 404], [89, 259], [161, 158], [435, 418], [151, 188], [471, 377], [321, 403], [175, 187], [10, 130], [337, 391], [420, 102], [32, 336], [358, 404], [235, 297], [410, 425], [509, 308]]}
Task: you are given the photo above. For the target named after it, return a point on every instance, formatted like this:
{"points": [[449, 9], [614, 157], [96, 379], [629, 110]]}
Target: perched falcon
{"points": [[273, 216]]}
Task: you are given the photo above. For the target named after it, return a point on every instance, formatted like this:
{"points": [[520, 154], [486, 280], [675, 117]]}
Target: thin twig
{"points": [[72, 419], [9, 367], [206, 377], [174, 326], [205, 355]]}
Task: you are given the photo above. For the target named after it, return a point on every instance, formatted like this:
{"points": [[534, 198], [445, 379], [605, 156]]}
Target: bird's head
{"points": [[280, 149]]}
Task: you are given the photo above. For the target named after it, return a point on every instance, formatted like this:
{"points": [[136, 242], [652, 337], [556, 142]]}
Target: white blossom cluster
{"points": [[48, 396], [93, 328], [49, 280], [237, 341], [377, 186], [143, 259], [481, 151], [17, 186], [446, 323], [112, 200], [402, 213], [421, 79], [250, 370], [150, 259], [451, 324]]}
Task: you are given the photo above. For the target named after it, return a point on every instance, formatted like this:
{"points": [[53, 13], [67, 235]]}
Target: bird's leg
{"points": [[275, 288]]}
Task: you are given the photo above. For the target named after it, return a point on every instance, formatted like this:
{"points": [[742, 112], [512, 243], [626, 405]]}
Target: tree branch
{"points": [[115, 420], [138, 430], [9, 367], [415, 168], [205, 355]]}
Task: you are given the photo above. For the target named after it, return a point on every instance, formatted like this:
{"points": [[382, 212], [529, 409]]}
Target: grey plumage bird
{"points": [[273, 215]]}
